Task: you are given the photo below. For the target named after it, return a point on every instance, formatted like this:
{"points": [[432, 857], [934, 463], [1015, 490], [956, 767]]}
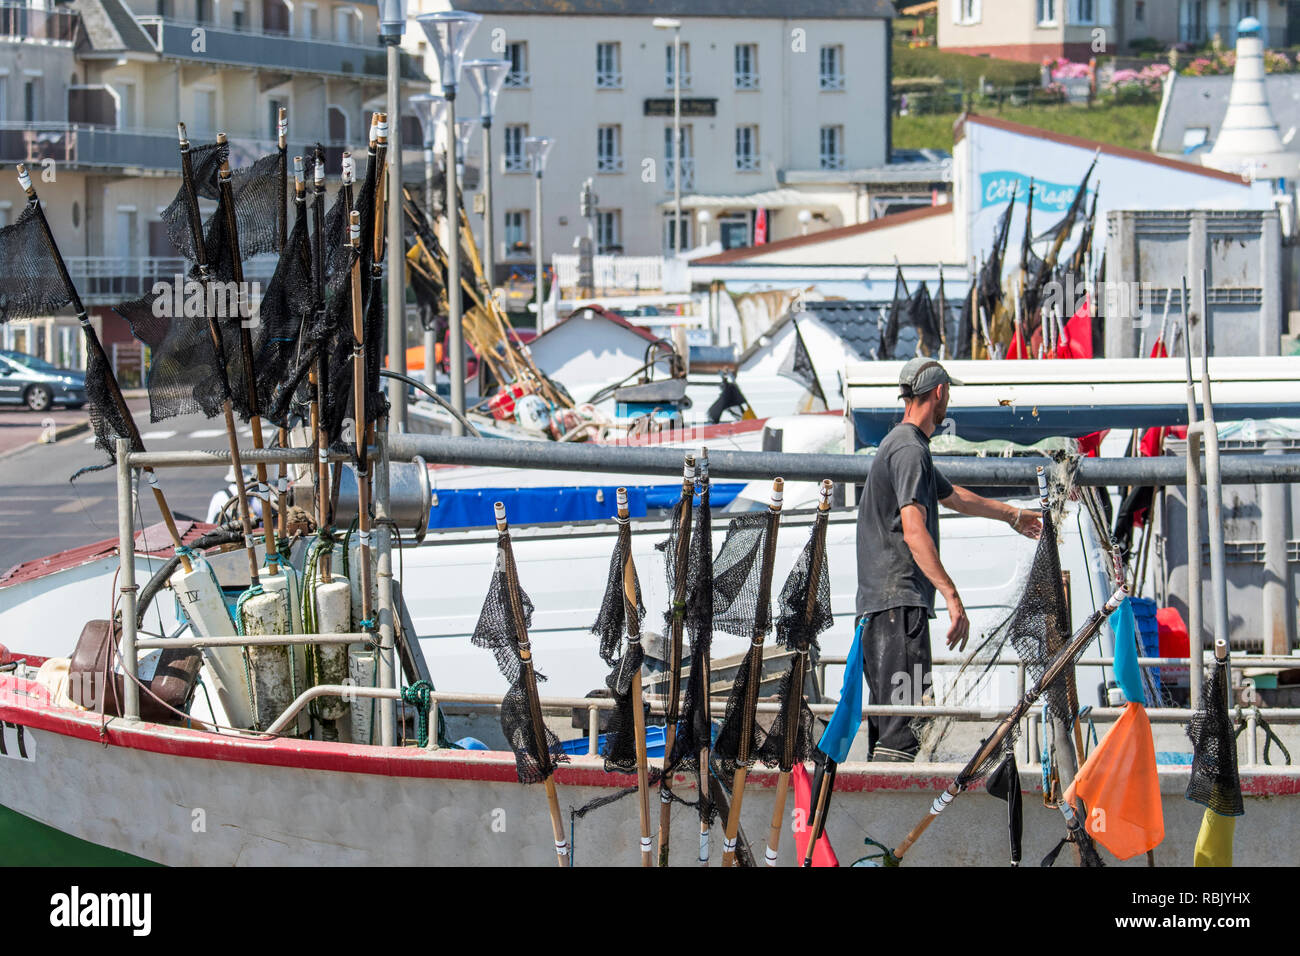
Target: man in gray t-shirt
{"points": [[898, 557]]}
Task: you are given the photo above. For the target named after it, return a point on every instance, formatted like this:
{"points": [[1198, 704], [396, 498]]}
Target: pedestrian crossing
{"points": [[199, 434]]}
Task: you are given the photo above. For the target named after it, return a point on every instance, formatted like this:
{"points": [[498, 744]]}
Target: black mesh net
{"points": [[32, 285], [1214, 781], [285, 314], [611, 625], [612, 619], [803, 612], [695, 729], [206, 162], [1040, 624], [501, 631], [620, 738], [740, 739], [106, 418]]}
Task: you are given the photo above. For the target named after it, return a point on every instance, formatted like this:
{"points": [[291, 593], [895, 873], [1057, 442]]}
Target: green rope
{"points": [[418, 695]]}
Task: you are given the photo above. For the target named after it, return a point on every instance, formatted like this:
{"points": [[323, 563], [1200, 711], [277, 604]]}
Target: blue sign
{"points": [[996, 188]]}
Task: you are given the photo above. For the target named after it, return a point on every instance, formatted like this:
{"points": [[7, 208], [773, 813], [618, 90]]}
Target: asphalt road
{"points": [[41, 512]]}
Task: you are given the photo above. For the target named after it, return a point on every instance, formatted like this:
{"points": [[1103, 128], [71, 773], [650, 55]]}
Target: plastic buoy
{"points": [[279, 670], [201, 599], [361, 668], [333, 616], [4, 654]]}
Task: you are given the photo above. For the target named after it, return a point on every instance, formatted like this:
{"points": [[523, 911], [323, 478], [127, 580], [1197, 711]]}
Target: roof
{"points": [[826, 235], [856, 324], [1120, 152], [604, 313], [753, 9], [1200, 102], [110, 27], [767, 199], [156, 535], [929, 170]]}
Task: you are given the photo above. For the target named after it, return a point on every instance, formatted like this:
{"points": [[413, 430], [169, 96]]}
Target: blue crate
{"points": [[654, 743]]}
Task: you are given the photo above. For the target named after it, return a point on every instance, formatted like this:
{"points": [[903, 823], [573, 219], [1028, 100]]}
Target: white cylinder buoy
{"points": [[201, 599], [284, 581], [354, 576], [333, 616], [361, 669], [278, 677]]}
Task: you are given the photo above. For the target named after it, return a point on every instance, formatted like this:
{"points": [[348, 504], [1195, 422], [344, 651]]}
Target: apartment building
{"points": [[1034, 29], [769, 91], [90, 93]]}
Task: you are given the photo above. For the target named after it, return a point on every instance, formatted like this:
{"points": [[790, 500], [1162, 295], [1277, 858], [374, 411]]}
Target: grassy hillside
{"points": [[959, 68], [1130, 125]]}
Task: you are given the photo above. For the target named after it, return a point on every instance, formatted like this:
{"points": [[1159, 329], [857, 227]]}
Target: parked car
{"points": [[34, 382]]}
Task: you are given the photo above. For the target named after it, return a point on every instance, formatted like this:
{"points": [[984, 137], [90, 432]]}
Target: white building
{"points": [[769, 91]]}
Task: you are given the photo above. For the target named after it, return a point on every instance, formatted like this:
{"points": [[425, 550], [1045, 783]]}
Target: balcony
{"points": [[686, 80], [273, 51], [22, 23], [609, 164], [517, 163], [518, 80], [609, 80], [108, 280], [831, 82], [746, 81], [688, 173]]}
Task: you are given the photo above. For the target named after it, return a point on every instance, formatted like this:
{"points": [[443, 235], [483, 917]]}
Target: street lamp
{"points": [[449, 32], [392, 24], [668, 23], [464, 130], [537, 148], [488, 77], [430, 109]]}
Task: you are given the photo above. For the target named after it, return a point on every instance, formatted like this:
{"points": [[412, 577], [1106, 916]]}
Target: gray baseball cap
{"points": [[921, 375]]}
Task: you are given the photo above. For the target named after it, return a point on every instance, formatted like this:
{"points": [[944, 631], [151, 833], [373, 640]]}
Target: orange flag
{"points": [[1120, 788]]}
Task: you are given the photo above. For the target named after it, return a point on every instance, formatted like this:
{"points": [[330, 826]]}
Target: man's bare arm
{"points": [[926, 555], [966, 502]]}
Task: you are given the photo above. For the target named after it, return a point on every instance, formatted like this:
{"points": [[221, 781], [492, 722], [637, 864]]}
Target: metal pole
{"points": [[396, 247], [452, 215], [677, 140], [126, 575], [384, 576], [1275, 523], [489, 254], [1193, 453], [1214, 490], [537, 244], [430, 343]]}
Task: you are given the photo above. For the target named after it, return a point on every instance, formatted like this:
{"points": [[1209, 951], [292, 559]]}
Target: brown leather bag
{"points": [[173, 679]]}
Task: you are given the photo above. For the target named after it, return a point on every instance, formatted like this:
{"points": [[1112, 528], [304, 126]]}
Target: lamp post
{"points": [[392, 24], [464, 130], [430, 109], [449, 32], [538, 147], [488, 76], [668, 23]]}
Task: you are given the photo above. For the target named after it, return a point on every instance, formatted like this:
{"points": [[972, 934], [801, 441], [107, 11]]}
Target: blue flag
{"points": [[844, 723], [1127, 673]]}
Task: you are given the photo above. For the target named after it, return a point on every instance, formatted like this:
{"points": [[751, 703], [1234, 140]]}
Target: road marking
{"points": [[68, 507], [89, 441], [208, 433], [157, 436]]}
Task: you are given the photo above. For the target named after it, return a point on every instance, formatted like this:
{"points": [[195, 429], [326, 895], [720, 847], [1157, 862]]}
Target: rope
{"points": [[419, 696]]}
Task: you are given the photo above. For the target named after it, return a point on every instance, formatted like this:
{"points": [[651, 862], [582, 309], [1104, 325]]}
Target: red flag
{"points": [[1076, 339], [1015, 350], [823, 855], [1153, 439], [760, 228]]}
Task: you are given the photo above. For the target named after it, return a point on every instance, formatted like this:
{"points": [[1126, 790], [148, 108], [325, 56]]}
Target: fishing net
{"points": [[500, 632], [620, 739], [695, 730], [286, 311], [1004, 784], [803, 612], [32, 285], [925, 319], [889, 339], [1214, 782], [612, 619], [611, 625]]}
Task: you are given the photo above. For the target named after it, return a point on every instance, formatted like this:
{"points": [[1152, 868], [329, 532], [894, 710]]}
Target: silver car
{"points": [[34, 382]]}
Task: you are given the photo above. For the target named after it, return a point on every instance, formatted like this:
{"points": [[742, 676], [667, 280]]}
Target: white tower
{"points": [[1249, 142]]}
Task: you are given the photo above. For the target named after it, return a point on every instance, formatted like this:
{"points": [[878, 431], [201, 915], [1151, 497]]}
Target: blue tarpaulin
{"points": [[472, 507]]}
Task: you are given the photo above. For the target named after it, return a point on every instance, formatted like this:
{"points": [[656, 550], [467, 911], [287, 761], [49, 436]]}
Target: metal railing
{"points": [[612, 272], [24, 23], [110, 279], [688, 173], [176, 38]]}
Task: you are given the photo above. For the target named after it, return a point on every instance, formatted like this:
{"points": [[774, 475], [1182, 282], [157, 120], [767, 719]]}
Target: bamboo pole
{"points": [[529, 679], [1064, 659], [679, 559], [749, 714], [94, 345], [246, 350], [219, 353], [800, 665], [706, 682], [316, 377], [361, 427], [282, 483], [630, 614]]}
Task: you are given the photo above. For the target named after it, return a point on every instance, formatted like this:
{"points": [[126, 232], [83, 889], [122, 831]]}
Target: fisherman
{"points": [[898, 557], [220, 506]]}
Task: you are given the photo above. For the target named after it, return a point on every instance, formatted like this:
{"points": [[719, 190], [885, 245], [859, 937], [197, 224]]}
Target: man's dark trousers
{"points": [[896, 664]]}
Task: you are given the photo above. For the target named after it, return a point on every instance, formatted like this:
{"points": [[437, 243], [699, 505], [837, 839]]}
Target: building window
{"points": [[686, 67], [517, 236], [688, 161], [32, 99], [831, 75], [1046, 13], [239, 15], [202, 11], [682, 240], [517, 54], [273, 107], [1085, 11], [345, 24], [746, 149], [746, 66], [609, 231], [515, 156], [1191, 21], [832, 147], [966, 12], [309, 27], [609, 149], [1246, 8], [1140, 11], [609, 72]]}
